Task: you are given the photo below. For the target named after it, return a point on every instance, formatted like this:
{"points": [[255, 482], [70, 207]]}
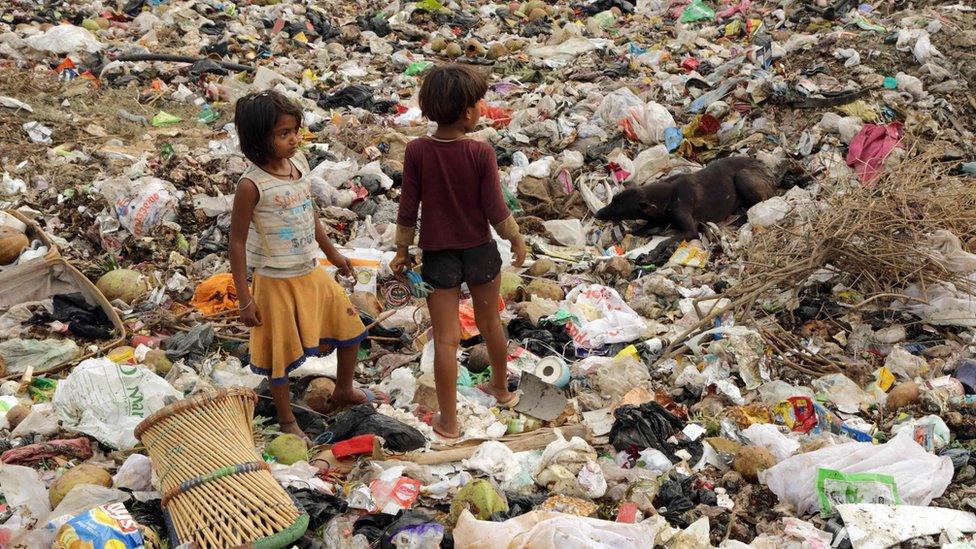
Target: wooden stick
{"points": [[533, 440]]}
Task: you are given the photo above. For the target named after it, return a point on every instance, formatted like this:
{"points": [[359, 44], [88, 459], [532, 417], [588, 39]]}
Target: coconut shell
{"points": [[319, 393], [478, 359], [123, 284], [542, 267], [546, 289], [12, 244], [158, 361], [497, 50], [17, 414], [287, 449], [79, 474], [453, 50], [538, 14], [752, 459], [438, 43], [902, 395]]}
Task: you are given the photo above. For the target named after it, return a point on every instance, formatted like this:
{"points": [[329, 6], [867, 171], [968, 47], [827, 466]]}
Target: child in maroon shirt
{"points": [[454, 182]]}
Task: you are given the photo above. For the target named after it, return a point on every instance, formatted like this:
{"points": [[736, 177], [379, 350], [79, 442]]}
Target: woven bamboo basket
{"points": [[217, 491]]}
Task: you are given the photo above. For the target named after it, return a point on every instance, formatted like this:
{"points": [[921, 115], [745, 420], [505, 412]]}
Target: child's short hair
{"points": [[255, 117], [448, 90]]}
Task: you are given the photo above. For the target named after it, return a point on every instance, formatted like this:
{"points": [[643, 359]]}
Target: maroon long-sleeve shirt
{"points": [[455, 187]]}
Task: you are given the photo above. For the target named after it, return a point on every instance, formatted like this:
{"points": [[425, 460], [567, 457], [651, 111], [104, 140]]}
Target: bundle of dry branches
{"points": [[875, 240]]}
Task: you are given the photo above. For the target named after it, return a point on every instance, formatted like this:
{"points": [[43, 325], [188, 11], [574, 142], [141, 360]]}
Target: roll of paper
{"points": [[553, 370]]}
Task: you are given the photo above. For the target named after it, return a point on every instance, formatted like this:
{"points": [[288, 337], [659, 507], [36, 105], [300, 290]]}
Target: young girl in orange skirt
{"points": [[296, 309]]}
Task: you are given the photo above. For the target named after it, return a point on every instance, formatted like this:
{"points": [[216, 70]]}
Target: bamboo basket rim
{"points": [[192, 402]]}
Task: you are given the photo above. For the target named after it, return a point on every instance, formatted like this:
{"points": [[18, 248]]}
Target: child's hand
{"points": [[341, 263], [251, 316], [519, 249], [400, 261]]}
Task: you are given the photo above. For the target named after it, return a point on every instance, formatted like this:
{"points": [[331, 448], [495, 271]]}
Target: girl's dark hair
{"points": [[449, 90], [255, 117]]}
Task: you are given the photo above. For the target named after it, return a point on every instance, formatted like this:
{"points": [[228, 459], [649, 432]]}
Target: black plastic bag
{"points": [[636, 428], [363, 419], [83, 319], [321, 508], [676, 495], [358, 96], [192, 345], [519, 504]]}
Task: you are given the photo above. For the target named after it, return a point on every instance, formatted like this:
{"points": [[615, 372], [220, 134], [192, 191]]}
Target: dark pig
{"points": [[684, 201]]}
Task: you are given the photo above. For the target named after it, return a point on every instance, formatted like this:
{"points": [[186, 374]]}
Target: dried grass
{"points": [[874, 240]]}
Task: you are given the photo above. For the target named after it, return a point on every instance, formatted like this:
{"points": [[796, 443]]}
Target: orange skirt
{"points": [[298, 316]]}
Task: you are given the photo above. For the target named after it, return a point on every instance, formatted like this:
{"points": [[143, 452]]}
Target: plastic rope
{"points": [[418, 288]]}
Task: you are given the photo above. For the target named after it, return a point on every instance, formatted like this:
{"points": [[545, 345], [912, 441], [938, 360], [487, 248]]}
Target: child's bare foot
{"points": [[345, 399], [504, 397], [444, 429], [291, 427]]}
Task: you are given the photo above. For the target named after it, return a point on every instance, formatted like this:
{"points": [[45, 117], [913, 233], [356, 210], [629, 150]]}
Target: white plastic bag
{"points": [[42, 420], [65, 39], [551, 530], [107, 400], [134, 474], [148, 202], [768, 212], [649, 121], [940, 304], [495, 460], [568, 232], [616, 106], [605, 317], [22, 487], [770, 438], [919, 475]]}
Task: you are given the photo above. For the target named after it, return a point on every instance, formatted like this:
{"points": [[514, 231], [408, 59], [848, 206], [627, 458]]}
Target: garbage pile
{"points": [[799, 373]]}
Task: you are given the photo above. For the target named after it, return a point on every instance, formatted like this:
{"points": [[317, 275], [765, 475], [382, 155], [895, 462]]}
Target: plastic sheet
{"points": [[107, 400], [919, 475]]}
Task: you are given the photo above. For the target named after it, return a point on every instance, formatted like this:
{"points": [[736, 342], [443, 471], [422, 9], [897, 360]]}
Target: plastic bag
{"points": [[919, 475], [552, 530], [23, 354], [148, 202], [834, 488], [364, 419], [873, 525], [616, 106], [42, 420], [134, 474], [649, 426], [104, 526], [940, 304], [107, 400], [616, 378], [769, 437], [495, 460], [613, 321], [568, 232], [648, 123], [22, 487], [768, 212], [847, 395], [65, 39], [697, 11]]}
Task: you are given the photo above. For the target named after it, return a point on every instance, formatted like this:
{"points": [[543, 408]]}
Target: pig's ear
{"points": [[650, 208]]}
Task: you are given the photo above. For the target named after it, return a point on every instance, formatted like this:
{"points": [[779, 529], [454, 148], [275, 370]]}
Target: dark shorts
{"points": [[445, 269]]}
